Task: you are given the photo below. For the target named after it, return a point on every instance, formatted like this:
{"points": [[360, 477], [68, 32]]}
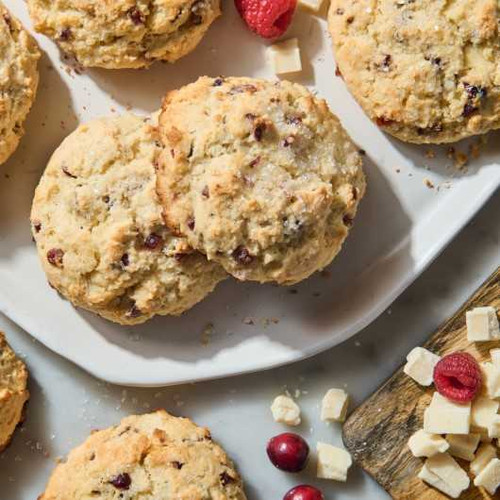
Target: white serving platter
{"points": [[402, 226]]}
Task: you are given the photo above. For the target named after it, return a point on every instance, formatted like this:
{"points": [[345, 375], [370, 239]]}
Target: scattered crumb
{"points": [[249, 321], [430, 154], [207, 333], [429, 183]]}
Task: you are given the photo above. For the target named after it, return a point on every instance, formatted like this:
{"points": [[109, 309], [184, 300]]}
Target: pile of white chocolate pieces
{"points": [[465, 431]]}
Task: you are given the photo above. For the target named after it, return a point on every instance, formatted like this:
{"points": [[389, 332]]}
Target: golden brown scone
{"points": [[147, 457], [425, 71], [13, 391], [259, 176], [98, 226], [19, 77], [124, 33]]}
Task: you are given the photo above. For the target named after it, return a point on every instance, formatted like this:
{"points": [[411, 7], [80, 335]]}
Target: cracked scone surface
{"points": [[149, 457], [124, 33], [259, 176], [13, 391], [19, 57], [98, 226], [427, 71]]}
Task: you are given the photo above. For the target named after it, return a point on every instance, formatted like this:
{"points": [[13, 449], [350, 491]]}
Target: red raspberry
{"points": [[458, 377], [267, 18]]}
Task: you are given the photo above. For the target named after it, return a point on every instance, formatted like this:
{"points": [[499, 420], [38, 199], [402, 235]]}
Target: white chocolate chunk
{"points": [[482, 414], [334, 405], [446, 417], [285, 410], [314, 5], [489, 477], [420, 365], [482, 324], [333, 462], [463, 446], [491, 379], [495, 356], [423, 444], [444, 473], [494, 427], [285, 57], [485, 453]]}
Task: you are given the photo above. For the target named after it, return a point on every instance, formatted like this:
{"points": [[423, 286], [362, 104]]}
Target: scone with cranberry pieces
{"points": [[425, 71], [148, 457], [124, 33], [260, 176], [98, 227], [19, 77], [13, 391]]}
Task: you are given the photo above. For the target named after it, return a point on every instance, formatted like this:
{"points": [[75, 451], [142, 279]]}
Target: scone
{"points": [[425, 71], [99, 230], [148, 457], [124, 33], [13, 391], [19, 56], [259, 176]]}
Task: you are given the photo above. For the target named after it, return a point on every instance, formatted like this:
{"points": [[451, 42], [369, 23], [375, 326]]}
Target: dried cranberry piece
{"points": [[458, 377], [382, 121], [243, 256], [190, 223], [258, 131], [37, 226], [226, 479], [136, 16], [469, 110], [65, 35], [153, 241], [125, 260], [134, 312], [55, 257], [218, 82], [121, 481], [205, 192], [178, 465], [67, 172]]}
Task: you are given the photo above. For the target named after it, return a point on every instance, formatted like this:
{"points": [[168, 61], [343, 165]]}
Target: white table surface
{"points": [[67, 403]]}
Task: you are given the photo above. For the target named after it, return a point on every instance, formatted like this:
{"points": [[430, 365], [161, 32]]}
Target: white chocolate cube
{"points": [[334, 405], [333, 462], [285, 57], [446, 417], [495, 356], [494, 427], [286, 411], [491, 379], [485, 453], [482, 414], [420, 365], [444, 473], [423, 444], [463, 446], [489, 477], [314, 5], [482, 324]]}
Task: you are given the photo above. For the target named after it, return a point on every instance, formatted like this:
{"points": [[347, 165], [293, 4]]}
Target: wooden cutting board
{"points": [[377, 432]]}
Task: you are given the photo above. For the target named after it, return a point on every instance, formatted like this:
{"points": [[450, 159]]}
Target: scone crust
{"points": [[159, 457], [19, 57], [124, 33], [425, 71], [98, 226], [259, 176], [13, 391]]}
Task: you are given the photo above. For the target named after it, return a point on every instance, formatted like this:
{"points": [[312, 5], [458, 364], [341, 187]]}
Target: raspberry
{"points": [[267, 18], [458, 377]]}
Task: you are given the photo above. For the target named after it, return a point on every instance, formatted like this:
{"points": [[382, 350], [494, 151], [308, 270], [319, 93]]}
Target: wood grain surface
{"points": [[378, 431]]}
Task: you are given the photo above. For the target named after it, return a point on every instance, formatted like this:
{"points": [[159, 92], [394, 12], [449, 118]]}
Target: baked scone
{"points": [[425, 71], [13, 391], [147, 457], [98, 226], [124, 33], [19, 56], [259, 176]]}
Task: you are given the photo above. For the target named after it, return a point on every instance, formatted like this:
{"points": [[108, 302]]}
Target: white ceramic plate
{"points": [[402, 225]]}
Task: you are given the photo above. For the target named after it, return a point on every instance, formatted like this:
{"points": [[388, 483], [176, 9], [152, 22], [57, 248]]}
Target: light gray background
{"points": [[66, 403]]}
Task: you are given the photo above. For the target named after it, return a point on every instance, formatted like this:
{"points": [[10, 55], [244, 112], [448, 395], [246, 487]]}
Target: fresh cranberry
{"points": [[458, 377], [304, 492], [288, 452]]}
